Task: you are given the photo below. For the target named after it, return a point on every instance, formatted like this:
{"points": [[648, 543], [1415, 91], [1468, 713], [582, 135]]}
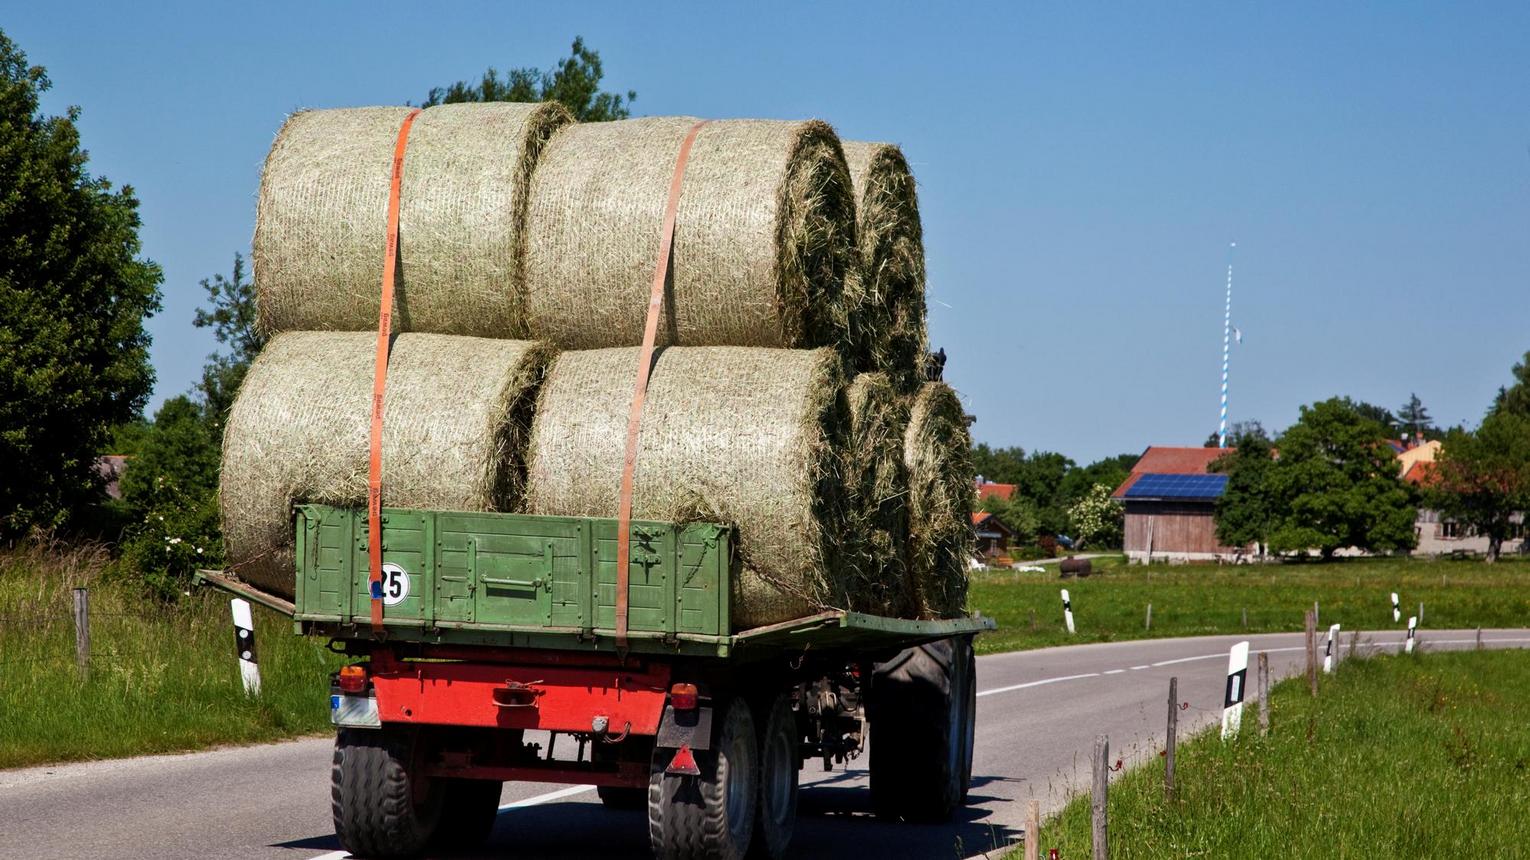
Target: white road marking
{"points": [[1140, 668], [530, 801], [1114, 671], [1036, 683]]}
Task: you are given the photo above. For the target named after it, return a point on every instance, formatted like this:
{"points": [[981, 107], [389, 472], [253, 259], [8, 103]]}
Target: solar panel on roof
{"points": [[1159, 486]]}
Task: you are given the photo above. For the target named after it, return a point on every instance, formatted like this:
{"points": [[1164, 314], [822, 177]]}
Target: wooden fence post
{"points": [[1098, 809], [1168, 749], [1479, 638], [1245, 617], [1148, 625], [82, 630], [1033, 830], [1264, 693], [1312, 681]]}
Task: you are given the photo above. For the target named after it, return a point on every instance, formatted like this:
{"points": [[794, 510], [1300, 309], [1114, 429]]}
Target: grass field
{"points": [[161, 678], [1193, 600], [1423, 756]]}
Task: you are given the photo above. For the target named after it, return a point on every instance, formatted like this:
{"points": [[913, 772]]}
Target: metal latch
{"points": [[517, 694]]}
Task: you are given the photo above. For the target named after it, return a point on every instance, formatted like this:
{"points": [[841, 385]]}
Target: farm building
{"points": [[1440, 535], [988, 489], [993, 538], [1170, 500]]}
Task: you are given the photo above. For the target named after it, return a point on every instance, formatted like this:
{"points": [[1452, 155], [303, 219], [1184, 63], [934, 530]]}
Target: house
{"points": [[988, 490], [1440, 535], [993, 538], [1170, 500]]}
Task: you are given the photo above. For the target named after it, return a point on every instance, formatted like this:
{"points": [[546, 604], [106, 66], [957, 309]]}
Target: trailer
{"points": [[496, 625]]}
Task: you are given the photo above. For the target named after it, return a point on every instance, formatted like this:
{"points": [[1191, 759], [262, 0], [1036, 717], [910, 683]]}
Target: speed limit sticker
{"points": [[395, 584]]}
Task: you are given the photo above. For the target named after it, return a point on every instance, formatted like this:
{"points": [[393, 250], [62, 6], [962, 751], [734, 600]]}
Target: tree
{"points": [[1414, 419], [574, 81], [1375, 413], [999, 465], [1516, 397], [1097, 519], [1079, 481], [1246, 510], [1336, 485], [232, 319], [73, 297], [1018, 513], [1482, 478], [1236, 433]]}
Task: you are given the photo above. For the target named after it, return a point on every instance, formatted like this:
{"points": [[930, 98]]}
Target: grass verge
{"points": [[1197, 600], [1422, 756], [161, 678]]}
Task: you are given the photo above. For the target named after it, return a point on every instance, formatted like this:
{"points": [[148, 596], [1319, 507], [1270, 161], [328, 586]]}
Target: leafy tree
{"points": [[1375, 413], [232, 319], [999, 465], [1516, 397], [1017, 513], [574, 81], [1336, 485], [1482, 478], [1246, 512], [73, 297], [1236, 433], [1415, 420], [1112, 471], [1097, 519]]}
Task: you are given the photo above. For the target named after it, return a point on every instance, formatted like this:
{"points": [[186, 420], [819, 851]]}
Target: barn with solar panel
{"points": [[1170, 499]]}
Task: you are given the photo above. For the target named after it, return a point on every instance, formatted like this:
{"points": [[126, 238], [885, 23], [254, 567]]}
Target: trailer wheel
{"points": [[381, 809], [969, 717], [920, 706], [779, 760], [469, 808], [711, 816]]}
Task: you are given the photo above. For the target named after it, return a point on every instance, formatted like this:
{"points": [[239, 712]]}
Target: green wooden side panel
{"points": [[515, 571]]}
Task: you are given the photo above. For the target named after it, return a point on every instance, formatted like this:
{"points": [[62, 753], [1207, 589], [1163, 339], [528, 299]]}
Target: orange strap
{"points": [[380, 378], [640, 389]]}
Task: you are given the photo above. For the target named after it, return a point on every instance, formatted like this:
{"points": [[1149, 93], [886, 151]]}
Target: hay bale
{"points": [[877, 487], [764, 235], [937, 451], [738, 435], [455, 417], [321, 223], [890, 290]]}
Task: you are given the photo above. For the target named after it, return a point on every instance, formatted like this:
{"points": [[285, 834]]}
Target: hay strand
{"points": [[937, 451], [889, 294], [764, 237], [877, 487], [739, 435], [455, 419], [322, 216]]}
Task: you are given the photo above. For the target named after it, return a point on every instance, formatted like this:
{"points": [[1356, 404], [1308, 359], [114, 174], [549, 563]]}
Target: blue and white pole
{"points": [[1226, 348]]}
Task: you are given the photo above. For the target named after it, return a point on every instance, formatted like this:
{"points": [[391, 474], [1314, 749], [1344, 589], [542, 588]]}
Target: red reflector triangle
{"points": [[683, 762]]}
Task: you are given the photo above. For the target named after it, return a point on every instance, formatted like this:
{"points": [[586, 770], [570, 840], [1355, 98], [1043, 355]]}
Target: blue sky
{"points": [[1082, 170]]}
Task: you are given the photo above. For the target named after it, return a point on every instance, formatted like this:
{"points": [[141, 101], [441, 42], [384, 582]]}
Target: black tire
{"points": [[919, 729], [617, 797], [779, 764], [469, 809], [379, 810], [711, 816], [969, 714]]}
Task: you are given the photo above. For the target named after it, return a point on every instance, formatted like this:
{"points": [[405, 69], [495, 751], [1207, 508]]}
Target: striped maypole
{"points": [[1226, 348]]}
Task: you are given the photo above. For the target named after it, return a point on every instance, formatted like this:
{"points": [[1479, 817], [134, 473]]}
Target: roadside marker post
{"points": [[1396, 609], [1412, 626], [1330, 648], [1067, 610], [1232, 703], [244, 645]]}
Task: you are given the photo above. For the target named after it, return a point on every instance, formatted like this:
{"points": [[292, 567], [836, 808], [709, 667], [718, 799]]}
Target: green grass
{"points": [[161, 678], [1422, 756], [1194, 600]]}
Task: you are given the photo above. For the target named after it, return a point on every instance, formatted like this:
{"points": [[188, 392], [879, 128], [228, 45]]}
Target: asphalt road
{"points": [[1038, 715]]}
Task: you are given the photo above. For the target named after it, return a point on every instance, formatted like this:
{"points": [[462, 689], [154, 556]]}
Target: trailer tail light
{"points": [[683, 697], [353, 679], [684, 762]]}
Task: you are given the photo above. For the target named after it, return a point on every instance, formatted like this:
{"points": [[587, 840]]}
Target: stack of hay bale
{"points": [[787, 398]]}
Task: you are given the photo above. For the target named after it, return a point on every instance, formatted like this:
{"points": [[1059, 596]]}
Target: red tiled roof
{"points": [[979, 516], [1170, 460], [988, 489], [1420, 473]]}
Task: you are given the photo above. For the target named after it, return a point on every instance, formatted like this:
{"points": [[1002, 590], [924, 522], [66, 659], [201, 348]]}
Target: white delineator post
{"points": [[1412, 626], [1232, 703], [1067, 610], [1328, 649], [244, 644], [1396, 609]]}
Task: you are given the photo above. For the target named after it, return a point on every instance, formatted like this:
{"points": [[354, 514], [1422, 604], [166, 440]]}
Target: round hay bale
{"points": [[747, 436], [937, 451], [890, 290], [877, 487], [764, 235], [455, 417], [321, 223]]}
